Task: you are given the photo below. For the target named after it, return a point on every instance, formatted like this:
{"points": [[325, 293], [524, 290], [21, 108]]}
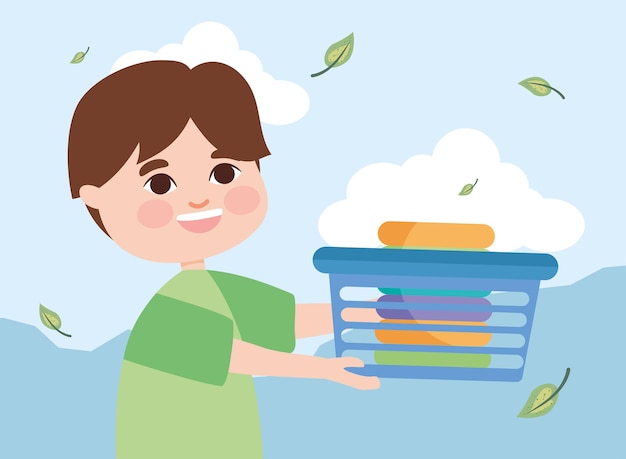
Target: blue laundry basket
{"points": [[439, 314]]}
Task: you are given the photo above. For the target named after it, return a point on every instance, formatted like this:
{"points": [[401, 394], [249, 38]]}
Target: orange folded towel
{"points": [[433, 338], [436, 235]]}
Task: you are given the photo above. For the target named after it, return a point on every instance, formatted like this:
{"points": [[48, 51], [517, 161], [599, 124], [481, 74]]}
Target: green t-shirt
{"points": [[176, 398]]}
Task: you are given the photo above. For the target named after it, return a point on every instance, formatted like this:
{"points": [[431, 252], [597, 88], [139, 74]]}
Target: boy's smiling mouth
{"points": [[200, 222]]}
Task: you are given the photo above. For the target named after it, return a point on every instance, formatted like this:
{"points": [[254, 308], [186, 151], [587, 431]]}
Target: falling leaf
{"points": [[467, 189], [79, 56], [539, 86], [337, 54], [542, 399], [51, 319]]}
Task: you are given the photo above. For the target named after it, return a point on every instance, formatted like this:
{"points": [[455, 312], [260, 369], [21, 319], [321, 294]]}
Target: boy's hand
{"points": [[250, 359], [335, 370]]}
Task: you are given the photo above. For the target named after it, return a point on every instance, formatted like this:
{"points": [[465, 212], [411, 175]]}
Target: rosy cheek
{"points": [[155, 214], [242, 200]]}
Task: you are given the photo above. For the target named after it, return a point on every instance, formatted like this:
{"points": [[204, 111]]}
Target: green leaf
{"points": [[51, 319], [543, 393], [337, 54], [467, 189], [79, 56], [542, 399], [539, 86]]}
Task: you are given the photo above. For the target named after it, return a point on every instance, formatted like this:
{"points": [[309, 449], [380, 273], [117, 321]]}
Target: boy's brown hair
{"points": [[149, 104]]}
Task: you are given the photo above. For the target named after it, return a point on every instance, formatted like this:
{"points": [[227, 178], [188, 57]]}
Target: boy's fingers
{"points": [[352, 362], [355, 380]]}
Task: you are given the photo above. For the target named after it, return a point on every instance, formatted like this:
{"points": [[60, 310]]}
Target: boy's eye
{"points": [[160, 184], [224, 173]]}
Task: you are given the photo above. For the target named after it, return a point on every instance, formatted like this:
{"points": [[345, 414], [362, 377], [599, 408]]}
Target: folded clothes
{"points": [[436, 235], [410, 314], [433, 338], [432, 359]]}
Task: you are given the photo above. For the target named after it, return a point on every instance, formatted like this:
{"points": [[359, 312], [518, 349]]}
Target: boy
{"points": [[166, 159]]}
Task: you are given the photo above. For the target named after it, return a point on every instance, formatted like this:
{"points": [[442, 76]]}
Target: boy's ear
{"points": [[89, 194]]}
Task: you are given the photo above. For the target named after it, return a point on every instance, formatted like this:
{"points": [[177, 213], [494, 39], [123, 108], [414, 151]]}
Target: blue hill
{"points": [[56, 402], [61, 403]]}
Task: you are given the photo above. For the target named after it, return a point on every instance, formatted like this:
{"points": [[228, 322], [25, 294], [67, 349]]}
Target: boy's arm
{"points": [[250, 359], [314, 319]]}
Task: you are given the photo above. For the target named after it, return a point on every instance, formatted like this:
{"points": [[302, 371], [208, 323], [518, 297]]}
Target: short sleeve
{"points": [[182, 339], [265, 315]]}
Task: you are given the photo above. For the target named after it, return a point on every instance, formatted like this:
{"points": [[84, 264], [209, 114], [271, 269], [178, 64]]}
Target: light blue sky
{"points": [[419, 70]]}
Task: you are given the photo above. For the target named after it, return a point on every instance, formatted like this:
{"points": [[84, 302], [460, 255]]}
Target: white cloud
{"points": [[426, 188], [279, 101]]}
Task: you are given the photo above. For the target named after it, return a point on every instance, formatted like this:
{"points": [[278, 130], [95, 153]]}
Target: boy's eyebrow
{"points": [[152, 165], [219, 155]]}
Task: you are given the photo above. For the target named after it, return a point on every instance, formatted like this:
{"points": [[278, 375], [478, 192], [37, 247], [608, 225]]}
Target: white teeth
{"points": [[199, 215]]}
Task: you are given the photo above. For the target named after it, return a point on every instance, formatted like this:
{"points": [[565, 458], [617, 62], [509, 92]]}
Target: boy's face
{"points": [[181, 205]]}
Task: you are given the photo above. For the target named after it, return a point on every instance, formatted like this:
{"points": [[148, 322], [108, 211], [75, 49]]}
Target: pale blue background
{"points": [[418, 71]]}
